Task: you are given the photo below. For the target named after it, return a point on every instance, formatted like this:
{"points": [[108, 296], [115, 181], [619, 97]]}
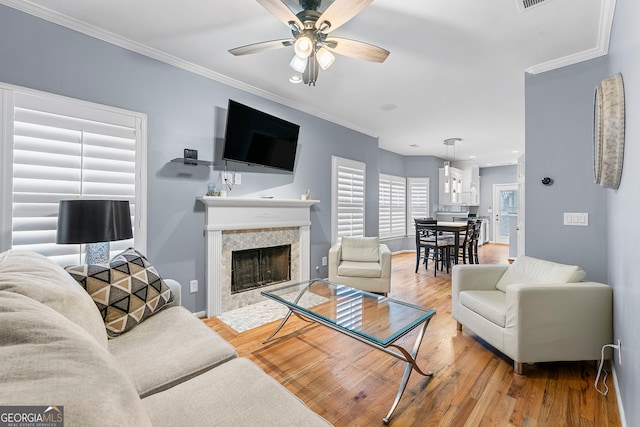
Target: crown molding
{"points": [[602, 48], [101, 34]]}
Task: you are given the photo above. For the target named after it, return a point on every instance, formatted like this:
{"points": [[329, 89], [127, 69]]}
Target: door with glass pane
{"points": [[505, 211]]}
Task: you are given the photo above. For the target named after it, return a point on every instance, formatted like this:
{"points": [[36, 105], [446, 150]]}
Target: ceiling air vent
{"points": [[528, 4]]}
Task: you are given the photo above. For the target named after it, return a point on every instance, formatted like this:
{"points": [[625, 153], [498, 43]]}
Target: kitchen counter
{"points": [[448, 216]]}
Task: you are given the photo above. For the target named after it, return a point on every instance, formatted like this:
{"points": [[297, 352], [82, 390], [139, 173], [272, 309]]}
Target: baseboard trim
{"points": [[623, 420], [200, 314]]}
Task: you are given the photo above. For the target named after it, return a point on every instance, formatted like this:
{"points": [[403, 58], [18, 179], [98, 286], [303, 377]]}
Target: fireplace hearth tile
{"points": [[251, 316]]}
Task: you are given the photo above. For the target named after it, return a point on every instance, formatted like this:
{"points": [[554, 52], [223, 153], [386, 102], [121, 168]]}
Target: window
{"points": [[417, 201], [56, 148], [347, 198], [392, 206]]}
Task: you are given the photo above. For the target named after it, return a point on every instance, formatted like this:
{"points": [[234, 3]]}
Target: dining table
{"points": [[452, 227]]}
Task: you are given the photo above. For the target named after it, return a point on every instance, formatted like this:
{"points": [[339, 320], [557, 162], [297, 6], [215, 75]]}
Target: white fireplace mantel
{"points": [[234, 213]]}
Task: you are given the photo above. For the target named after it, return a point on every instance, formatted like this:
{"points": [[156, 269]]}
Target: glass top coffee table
{"points": [[370, 318]]}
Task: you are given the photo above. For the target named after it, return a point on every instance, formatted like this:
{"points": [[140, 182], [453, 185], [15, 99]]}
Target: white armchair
{"points": [[534, 310], [361, 262]]}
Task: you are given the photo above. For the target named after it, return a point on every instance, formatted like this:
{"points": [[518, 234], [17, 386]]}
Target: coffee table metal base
{"points": [[408, 356]]}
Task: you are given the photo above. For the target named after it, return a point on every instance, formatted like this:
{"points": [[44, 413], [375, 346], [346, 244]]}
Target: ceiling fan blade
{"points": [[356, 49], [281, 11], [262, 46], [339, 12]]}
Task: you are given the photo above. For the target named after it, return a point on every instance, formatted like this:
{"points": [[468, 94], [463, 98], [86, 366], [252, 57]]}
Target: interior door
{"points": [[505, 202]]}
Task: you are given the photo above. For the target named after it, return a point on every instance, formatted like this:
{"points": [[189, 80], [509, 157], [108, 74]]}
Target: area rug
{"points": [[254, 315]]}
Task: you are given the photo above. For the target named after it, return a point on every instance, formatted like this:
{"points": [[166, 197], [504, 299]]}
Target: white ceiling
{"points": [[456, 67]]}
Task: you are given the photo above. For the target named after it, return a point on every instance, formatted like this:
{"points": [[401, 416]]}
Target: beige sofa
{"points": [[362, 263], [534, 310], [169, 370]]}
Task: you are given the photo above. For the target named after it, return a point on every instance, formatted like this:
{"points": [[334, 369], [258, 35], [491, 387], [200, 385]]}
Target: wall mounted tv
{"points": [[258, 138]]}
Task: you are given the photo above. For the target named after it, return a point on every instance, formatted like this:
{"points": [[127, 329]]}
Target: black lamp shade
{"points": [[93, 221]]}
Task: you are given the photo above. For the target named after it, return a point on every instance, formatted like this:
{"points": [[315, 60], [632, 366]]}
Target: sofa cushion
{"points": [[39, 278], [167, 349], [359, 269], [492, 305], [362, 249], [237, 393], [49, 360], [532, 270], [127, 290]]}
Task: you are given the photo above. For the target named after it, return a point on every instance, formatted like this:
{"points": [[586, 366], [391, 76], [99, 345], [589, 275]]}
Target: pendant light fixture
{"points": [[451, 142]]}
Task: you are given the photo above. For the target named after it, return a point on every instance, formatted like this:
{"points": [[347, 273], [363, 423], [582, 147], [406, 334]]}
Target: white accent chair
{"points": [[362, 263], [534, 310]]}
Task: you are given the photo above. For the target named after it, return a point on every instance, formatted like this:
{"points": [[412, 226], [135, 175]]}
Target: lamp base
{"points": [[97, 253]]}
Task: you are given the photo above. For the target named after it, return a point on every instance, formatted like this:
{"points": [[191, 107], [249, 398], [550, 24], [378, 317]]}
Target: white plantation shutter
{"points": [[392, 206], [348, 198], [68, 149], [349, 307], [418, 201]]}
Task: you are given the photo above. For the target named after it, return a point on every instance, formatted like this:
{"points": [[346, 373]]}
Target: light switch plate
{"points": [[580, 219]]}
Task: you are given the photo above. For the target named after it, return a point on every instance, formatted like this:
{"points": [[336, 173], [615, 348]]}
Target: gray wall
{"points": [[559, 117], [559, 120], [184, 110], [623, 204], [488, 178]]}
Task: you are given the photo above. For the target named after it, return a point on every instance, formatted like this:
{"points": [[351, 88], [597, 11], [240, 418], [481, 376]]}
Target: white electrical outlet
{"points": [[237, 178], [324, 261], [193, 286]]}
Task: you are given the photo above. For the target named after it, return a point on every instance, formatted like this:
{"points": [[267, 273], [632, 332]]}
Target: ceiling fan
{"points": [[311, 41]]}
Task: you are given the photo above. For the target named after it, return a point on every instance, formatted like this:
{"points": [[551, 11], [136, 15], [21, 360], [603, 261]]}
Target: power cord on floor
{"points": [[606, 374]]}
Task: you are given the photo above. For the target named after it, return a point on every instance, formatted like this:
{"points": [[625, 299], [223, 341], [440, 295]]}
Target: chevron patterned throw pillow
{"points": [[127, 290]]}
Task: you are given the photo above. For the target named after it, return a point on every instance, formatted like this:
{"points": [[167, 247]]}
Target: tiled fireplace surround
{"points": [[242, 223]]}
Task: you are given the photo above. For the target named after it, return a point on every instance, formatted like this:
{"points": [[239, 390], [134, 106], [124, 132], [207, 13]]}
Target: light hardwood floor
{"points": [[352, 384]]}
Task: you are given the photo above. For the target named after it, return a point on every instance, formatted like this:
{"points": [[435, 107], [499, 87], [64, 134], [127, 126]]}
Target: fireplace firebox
{"points": [[258, 267]]}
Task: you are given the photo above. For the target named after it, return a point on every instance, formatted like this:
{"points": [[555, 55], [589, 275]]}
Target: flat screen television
{"points": [[258, 138]]}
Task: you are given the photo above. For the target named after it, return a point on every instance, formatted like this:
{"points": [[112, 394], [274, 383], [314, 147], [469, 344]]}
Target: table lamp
{"points": [[96, 223]]}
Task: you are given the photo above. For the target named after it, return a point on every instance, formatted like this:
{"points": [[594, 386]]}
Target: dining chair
{"points": [[473, 255], [424, 236], [431, 240], [465, 248]]}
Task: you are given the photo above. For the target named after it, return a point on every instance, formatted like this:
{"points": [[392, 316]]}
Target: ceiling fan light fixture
{"points": [[310, 28], [325, 58], [303, 46], [299, 64]]}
